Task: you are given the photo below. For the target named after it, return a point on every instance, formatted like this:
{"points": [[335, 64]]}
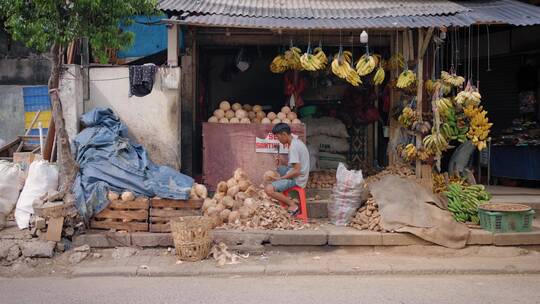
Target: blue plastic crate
{"points": [[35, 90], [36, 132]]}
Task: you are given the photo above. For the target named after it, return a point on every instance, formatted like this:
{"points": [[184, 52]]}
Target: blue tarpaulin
{"points": [[109, 160]]}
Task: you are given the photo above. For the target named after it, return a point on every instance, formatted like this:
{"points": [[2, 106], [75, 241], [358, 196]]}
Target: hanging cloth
{"points": [[141, 79], [294, 86]]}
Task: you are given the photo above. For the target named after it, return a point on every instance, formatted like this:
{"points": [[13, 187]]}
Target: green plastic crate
{"points": [[502, 222]]}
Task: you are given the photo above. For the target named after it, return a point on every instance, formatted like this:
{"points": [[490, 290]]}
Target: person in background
{"points": [[296, 173]]}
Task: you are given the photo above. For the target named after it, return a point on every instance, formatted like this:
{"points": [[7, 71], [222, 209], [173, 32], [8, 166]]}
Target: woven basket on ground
{"points": [[191, 235]]}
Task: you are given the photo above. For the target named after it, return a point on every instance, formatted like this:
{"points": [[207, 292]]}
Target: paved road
{"points": [[261, 290]]}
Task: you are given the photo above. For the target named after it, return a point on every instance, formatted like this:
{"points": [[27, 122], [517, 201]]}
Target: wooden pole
{"points": [[419, 95]]}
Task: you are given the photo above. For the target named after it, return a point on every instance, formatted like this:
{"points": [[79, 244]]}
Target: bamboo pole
{"points": [[419, 95]]}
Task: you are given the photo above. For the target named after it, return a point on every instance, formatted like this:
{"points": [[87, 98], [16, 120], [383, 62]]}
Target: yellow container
{"points": [[44, 117]]}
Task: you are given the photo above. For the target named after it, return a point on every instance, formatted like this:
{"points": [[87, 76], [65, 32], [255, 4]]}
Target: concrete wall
{"points": [[152, 120], [11, 112], [71, 96]]}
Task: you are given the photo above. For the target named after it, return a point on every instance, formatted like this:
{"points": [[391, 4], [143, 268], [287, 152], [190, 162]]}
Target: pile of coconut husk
{"points": [[402, 170], [238, 204]]}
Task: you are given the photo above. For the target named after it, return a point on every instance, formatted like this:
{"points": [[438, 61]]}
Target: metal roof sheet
{"points": [[350, 14], [307, 9]]}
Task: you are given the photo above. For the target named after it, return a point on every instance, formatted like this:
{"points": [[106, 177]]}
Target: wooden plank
{"points": [[141, 215], [180, 204], [188, 97], [130, 226], [138, 203], [411, 45], [419, 95], [49, 141], [163, 213], [426, 41], [36, 116], [54, 229], [427, 178]]}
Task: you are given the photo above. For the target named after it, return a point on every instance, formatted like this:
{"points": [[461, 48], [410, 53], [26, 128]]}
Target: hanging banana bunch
{"points": [[444, 105], [341, 67], [407, 117], [279, 64], [406, 79], [321, 56], [292, 56], [396, 62], [452, 79], [366, 64], [435, 143], [479, 126], [469, 96], [313, 62]]}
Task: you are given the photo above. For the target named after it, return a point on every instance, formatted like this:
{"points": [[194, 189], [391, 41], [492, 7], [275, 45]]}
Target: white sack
{"points": [[42, 178], [11, 183], [330, 161], [347, 196], [327, 143], [325, 126]]}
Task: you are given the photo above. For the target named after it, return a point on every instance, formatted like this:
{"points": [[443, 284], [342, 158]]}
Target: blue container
{"points": [[36, 98], [36, 132]]}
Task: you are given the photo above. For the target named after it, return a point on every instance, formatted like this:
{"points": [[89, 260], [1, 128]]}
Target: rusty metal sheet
{"points": [[227, 147]]}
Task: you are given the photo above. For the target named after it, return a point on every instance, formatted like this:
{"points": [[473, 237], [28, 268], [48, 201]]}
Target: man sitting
{"points": [[296, 173]]}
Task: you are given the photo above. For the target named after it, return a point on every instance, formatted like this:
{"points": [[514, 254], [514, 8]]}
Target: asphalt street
{"points": [[453, 289]]}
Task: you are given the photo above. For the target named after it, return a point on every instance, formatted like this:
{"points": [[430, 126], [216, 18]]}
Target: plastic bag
{"points": [[346, 195], [169, 78], [11, 183], [42, 178]]}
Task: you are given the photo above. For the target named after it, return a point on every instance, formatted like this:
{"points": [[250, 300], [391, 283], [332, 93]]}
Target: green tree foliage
{"points": [[41, 23]]}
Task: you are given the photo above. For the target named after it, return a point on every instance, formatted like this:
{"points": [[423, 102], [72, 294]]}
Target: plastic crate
{"points": [[35, 90], [36, 98], [44, 117], [36, 132], [502, 222]]}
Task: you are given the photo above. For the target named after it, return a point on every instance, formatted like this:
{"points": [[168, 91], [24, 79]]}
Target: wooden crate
{"points": [[129, 216], [162, 210]]}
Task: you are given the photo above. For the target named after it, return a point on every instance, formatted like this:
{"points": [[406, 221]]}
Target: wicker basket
{"points": [[192, 239]]}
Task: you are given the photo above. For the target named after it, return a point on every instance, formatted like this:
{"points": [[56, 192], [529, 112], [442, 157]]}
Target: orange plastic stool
{"points": [[303, 202]]}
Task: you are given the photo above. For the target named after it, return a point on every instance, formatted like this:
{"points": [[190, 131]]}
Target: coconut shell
{"points": [[237, 205], [244, 185], [244, 212], [286, 120], [208, 202], [276, 121], [266, 121], [251, 191], [201, 191], [213, 119], [231, 182], [260, 115], [292, 116], [236, 106], [212, 210], [271, 116], [239, 175], [219, 113], [224, 215], [234, 216], [251, 115], [249, 202], [286, 110], [228, 201], [127, 196], [269, 176], [245, 121], [233, 191], [220, 207], [223, 120], [234, 120], [229, 114], [222, 187], [280, 115], [219, 195], [193, 194], [296, 121], [113, 196], [241, 114], [240, 196], [224, 105], [256, 108], [247, 107]]}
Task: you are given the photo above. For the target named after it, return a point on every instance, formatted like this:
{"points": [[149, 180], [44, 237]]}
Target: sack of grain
{"points": [[346, 196], [331, 160], [326, 126], [327, 143]]}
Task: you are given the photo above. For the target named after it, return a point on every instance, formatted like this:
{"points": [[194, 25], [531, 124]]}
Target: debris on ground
{"points": [[401, 170], [220, 253], [368, 217], [124, 252]]}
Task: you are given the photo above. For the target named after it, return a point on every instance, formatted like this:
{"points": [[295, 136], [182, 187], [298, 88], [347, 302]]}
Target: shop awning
{"points": [[349, 14]]}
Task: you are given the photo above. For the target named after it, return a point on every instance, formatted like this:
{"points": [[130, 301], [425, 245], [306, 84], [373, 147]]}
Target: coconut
{"points": [[201, 191], [256, 120], [271, 116], [212, 210], [270, 176], [224, 215], [213, 119], [244, 212], [249, 202], [244, 185], [286, 120], [245, 121], [276, 121], [240, 196], [237, 205], [221, 187], [219, 113], [220, 207], [234, 120], [247, 107], [260, 114], [208, 202], [113, 196], [252, 191], [239, 175], [233, 190], [193, 194], [228, 201], [266, 121], [296, 121], [234, 216], [236, 106], [280, 115], [256, 108], [127, 196], [223, 120], [292, 116], [251, 115], [219, 195], [231, 182], [241, 114], [229, 114], [225, 105], [286, 110]]}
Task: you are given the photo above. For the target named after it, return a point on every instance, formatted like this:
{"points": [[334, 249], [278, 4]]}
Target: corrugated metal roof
{"points": [[307, 9], [350, 14]]}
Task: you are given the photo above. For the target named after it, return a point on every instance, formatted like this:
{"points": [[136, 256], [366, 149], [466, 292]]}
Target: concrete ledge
{"points": [[514, 239], [402, 239], [317, 209], [149, 239], [480, 237], [347, 236], [103, 239], [299, 237]]}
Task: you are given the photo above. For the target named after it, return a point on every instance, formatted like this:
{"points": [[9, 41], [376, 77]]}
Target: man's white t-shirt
{"points": [[299, 154]]}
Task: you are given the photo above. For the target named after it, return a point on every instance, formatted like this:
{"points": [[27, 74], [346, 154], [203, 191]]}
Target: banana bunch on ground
{"points": [[406, 79], [366, 64], [453, 79], [463, 201], [279, 64], [341, 67], [379, 76], [292, 56], [479, 126], [435, 143], [469, 96], [444, 105], [396, 62], [407, 117]]}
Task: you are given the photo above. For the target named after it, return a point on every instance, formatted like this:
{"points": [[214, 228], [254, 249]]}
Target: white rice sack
{"points": [[11, 183], [327, 143], [326, 126]]}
